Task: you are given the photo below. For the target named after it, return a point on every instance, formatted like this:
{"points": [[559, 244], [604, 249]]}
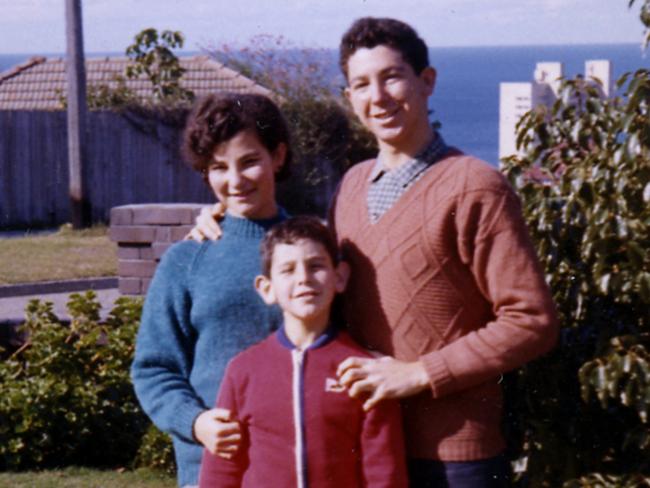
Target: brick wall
{"points": [[143, 233]]}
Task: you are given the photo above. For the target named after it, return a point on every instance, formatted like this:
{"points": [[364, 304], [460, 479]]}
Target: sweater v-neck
{"points": [[405, 199]]}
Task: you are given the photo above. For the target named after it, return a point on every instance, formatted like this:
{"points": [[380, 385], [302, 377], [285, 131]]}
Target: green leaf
{"points": [[643, 281], [603, 284]]}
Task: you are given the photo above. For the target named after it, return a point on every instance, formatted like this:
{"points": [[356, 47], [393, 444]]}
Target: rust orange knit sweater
{"points": [[449, 276]]}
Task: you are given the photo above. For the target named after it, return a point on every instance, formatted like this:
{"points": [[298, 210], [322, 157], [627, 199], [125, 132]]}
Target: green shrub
{"points": [[584, 179], [156, 452], [600, 481], [67, 398]]}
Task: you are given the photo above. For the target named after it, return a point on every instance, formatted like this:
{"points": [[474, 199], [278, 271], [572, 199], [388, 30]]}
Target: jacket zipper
{"points": [[301, 469]]}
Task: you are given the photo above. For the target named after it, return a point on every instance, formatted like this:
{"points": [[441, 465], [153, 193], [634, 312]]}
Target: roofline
{"points": [[19, 68]]}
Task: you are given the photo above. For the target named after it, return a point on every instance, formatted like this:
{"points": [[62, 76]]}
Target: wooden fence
{"points": [[129, 159]]}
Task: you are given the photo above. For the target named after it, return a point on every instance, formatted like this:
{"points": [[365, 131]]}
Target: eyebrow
{"points": [[251, 153], [399, 69]]}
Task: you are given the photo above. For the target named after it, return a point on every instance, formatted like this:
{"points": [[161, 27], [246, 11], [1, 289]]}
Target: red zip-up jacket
{"points": [[300, 426]]}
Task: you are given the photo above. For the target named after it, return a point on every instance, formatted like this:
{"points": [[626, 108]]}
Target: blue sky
{"points": [[37, 26]]}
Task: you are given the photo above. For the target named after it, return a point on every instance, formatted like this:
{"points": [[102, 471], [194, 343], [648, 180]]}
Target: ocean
{"points": [[466, 98]]}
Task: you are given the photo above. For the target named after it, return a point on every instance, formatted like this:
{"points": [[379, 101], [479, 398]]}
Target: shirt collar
{"points": [[431, 154], [326, 337]]}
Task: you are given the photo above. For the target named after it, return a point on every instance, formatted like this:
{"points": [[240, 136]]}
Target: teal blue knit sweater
{"points": [[201, 310]]}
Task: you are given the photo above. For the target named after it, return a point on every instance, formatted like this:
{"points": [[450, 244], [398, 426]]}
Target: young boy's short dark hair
{"points": [[369, 32], [217, 118], [292, 230]]}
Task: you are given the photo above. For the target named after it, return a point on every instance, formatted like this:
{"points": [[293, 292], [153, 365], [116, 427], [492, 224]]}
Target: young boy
{"points": [[299, 426]]}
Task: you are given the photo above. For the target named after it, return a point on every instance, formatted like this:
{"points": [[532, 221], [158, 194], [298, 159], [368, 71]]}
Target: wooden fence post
{"points": [[76, 76]]}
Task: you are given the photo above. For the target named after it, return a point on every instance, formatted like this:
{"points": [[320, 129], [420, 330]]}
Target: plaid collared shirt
{"points": [[386, 186]]}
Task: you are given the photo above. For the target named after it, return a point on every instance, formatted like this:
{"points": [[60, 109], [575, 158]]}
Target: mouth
{"points": [[306, 294], [240, 195], [386, 115], [385, 118]]}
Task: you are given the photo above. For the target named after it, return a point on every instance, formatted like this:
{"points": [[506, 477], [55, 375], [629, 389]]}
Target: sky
{"points": [[38, 26]]}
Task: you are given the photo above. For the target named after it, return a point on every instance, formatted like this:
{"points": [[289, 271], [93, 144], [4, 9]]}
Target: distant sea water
{"points": [[466, 98]]}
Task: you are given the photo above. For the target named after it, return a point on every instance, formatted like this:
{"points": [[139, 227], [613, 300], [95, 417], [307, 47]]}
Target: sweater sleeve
{"points": [[493, 242], [382, 447], [215, 470], [164, 347]]}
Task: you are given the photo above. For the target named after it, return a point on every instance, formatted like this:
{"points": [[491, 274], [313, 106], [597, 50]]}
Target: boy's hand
{"points": [[381, 378], [218, 432], [207, 223]]}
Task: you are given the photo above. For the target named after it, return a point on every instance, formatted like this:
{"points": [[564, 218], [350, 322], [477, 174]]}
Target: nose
{"points": [[302, 274], [377, 92], [235, 178]]}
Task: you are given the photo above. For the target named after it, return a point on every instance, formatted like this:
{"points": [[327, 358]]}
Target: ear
{"points": [[265, 289], [342, 275], [279, 155], [428, 77], [347, 94]]}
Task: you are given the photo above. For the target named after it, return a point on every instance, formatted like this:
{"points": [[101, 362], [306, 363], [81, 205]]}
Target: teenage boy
{"points": [[299, 426], [444, 277]]}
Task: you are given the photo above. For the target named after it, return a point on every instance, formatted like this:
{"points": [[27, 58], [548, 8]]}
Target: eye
{"points": [[216, 166], [317, 265], [250, 161], [393, 76], [359, 85]]}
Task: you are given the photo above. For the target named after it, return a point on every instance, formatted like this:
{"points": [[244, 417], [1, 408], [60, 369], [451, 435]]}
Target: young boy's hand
{"points": [[218, 432], [381, 378]]}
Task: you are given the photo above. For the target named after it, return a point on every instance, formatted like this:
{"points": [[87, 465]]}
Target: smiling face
{"points": [[242, 175], [389, 98], [303, 281]]}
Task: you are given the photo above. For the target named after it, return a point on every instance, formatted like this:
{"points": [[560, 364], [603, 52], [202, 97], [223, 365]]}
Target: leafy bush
{"points": [[67, 398], [156, 452], [584, 178], [151, 54]]}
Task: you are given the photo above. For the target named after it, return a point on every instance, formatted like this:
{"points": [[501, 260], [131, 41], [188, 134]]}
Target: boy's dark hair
{"points": [[292, 230], [369, 32], [218, 118]]}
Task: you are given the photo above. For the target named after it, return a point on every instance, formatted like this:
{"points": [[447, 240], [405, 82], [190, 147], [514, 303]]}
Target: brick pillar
{"points": [[143, 233]]}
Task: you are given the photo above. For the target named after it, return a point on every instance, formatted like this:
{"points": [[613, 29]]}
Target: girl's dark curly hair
{"points": [[218, 118]]}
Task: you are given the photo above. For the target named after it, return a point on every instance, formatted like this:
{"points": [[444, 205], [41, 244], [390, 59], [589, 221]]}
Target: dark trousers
{"points": [[485, 473]]}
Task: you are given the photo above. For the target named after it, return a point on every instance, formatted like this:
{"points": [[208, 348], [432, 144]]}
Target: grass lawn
{"points": [[86, 478], [66, 254]]}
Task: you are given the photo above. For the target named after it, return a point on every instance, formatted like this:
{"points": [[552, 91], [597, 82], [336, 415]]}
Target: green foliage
{"points": [[111, 96], [156, 452], [600, 481], [326, 138], [151, 55], [584, 178], [67, 398]]}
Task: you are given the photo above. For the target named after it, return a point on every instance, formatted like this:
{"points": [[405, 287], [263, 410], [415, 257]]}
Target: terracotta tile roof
{"points": [[40, 83]]}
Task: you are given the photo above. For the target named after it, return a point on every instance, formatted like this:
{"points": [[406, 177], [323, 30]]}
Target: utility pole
{"points": [[76, 75]]}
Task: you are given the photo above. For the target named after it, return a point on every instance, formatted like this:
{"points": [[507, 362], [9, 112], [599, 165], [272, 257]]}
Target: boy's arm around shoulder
{"points": [[164, 345], [216, 470]]}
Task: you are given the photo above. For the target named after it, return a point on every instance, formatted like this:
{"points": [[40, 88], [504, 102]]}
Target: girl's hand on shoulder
{"points": [[207, 223], [219, 432]]}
